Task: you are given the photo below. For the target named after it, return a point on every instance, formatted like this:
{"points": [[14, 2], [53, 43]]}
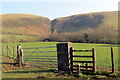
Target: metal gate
{"points": [[41, 56]]}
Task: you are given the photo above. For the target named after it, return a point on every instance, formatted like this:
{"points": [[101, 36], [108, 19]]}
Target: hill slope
{"points": [[78, 22], [23, 27], [101, 27], [25, 24]]}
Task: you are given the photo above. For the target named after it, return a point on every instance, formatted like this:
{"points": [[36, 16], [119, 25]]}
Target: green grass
{"points": [[103, 56], [103, 59]]}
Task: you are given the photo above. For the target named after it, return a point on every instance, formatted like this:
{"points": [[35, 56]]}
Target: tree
{"points": [[85, 38]]}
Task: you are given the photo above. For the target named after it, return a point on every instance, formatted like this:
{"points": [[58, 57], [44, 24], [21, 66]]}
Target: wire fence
{"points": [[104, 58]]}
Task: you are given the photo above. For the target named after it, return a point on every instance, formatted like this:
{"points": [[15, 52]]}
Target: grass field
{"points": [[103, 57]]}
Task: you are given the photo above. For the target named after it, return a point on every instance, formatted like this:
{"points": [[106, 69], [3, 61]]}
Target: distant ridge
{"points": [[27, 27]]}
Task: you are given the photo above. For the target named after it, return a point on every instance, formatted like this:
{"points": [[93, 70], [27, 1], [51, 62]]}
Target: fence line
{"points": [[11, 52]]}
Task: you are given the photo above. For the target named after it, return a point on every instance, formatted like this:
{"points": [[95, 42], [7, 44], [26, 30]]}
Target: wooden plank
{"points": [[86, 70], [75, 69], [82, 56], [86, 66], [82, 50], [83, 61]]}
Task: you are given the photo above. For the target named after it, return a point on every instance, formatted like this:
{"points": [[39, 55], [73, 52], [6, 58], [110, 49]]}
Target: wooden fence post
{"points": [[94, 59], [112, 60], [7, 50], [63, 54], [19, 54]]}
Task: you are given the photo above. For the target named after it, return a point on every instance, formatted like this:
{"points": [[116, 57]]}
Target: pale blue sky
{"points": [[58, 9]]}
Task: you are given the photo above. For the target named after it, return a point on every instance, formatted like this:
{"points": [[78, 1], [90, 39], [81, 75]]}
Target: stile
{"points": [[85, 66]]}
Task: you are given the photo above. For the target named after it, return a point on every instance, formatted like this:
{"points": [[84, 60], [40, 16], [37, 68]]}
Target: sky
{"points": [[55, 8]]}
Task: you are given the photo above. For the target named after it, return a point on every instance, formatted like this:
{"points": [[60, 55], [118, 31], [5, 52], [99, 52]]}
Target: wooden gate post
{"points": [[19, 55], [63, 54], [94, 59]]}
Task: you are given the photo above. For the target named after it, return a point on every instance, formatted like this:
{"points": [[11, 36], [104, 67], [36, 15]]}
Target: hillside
{"points": [[79, 22], [100, 27], [23, 26]]}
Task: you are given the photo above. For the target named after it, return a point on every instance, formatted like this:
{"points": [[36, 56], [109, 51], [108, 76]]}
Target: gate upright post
{"points": [[19, 55], [63, 54], [94, 59]]}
